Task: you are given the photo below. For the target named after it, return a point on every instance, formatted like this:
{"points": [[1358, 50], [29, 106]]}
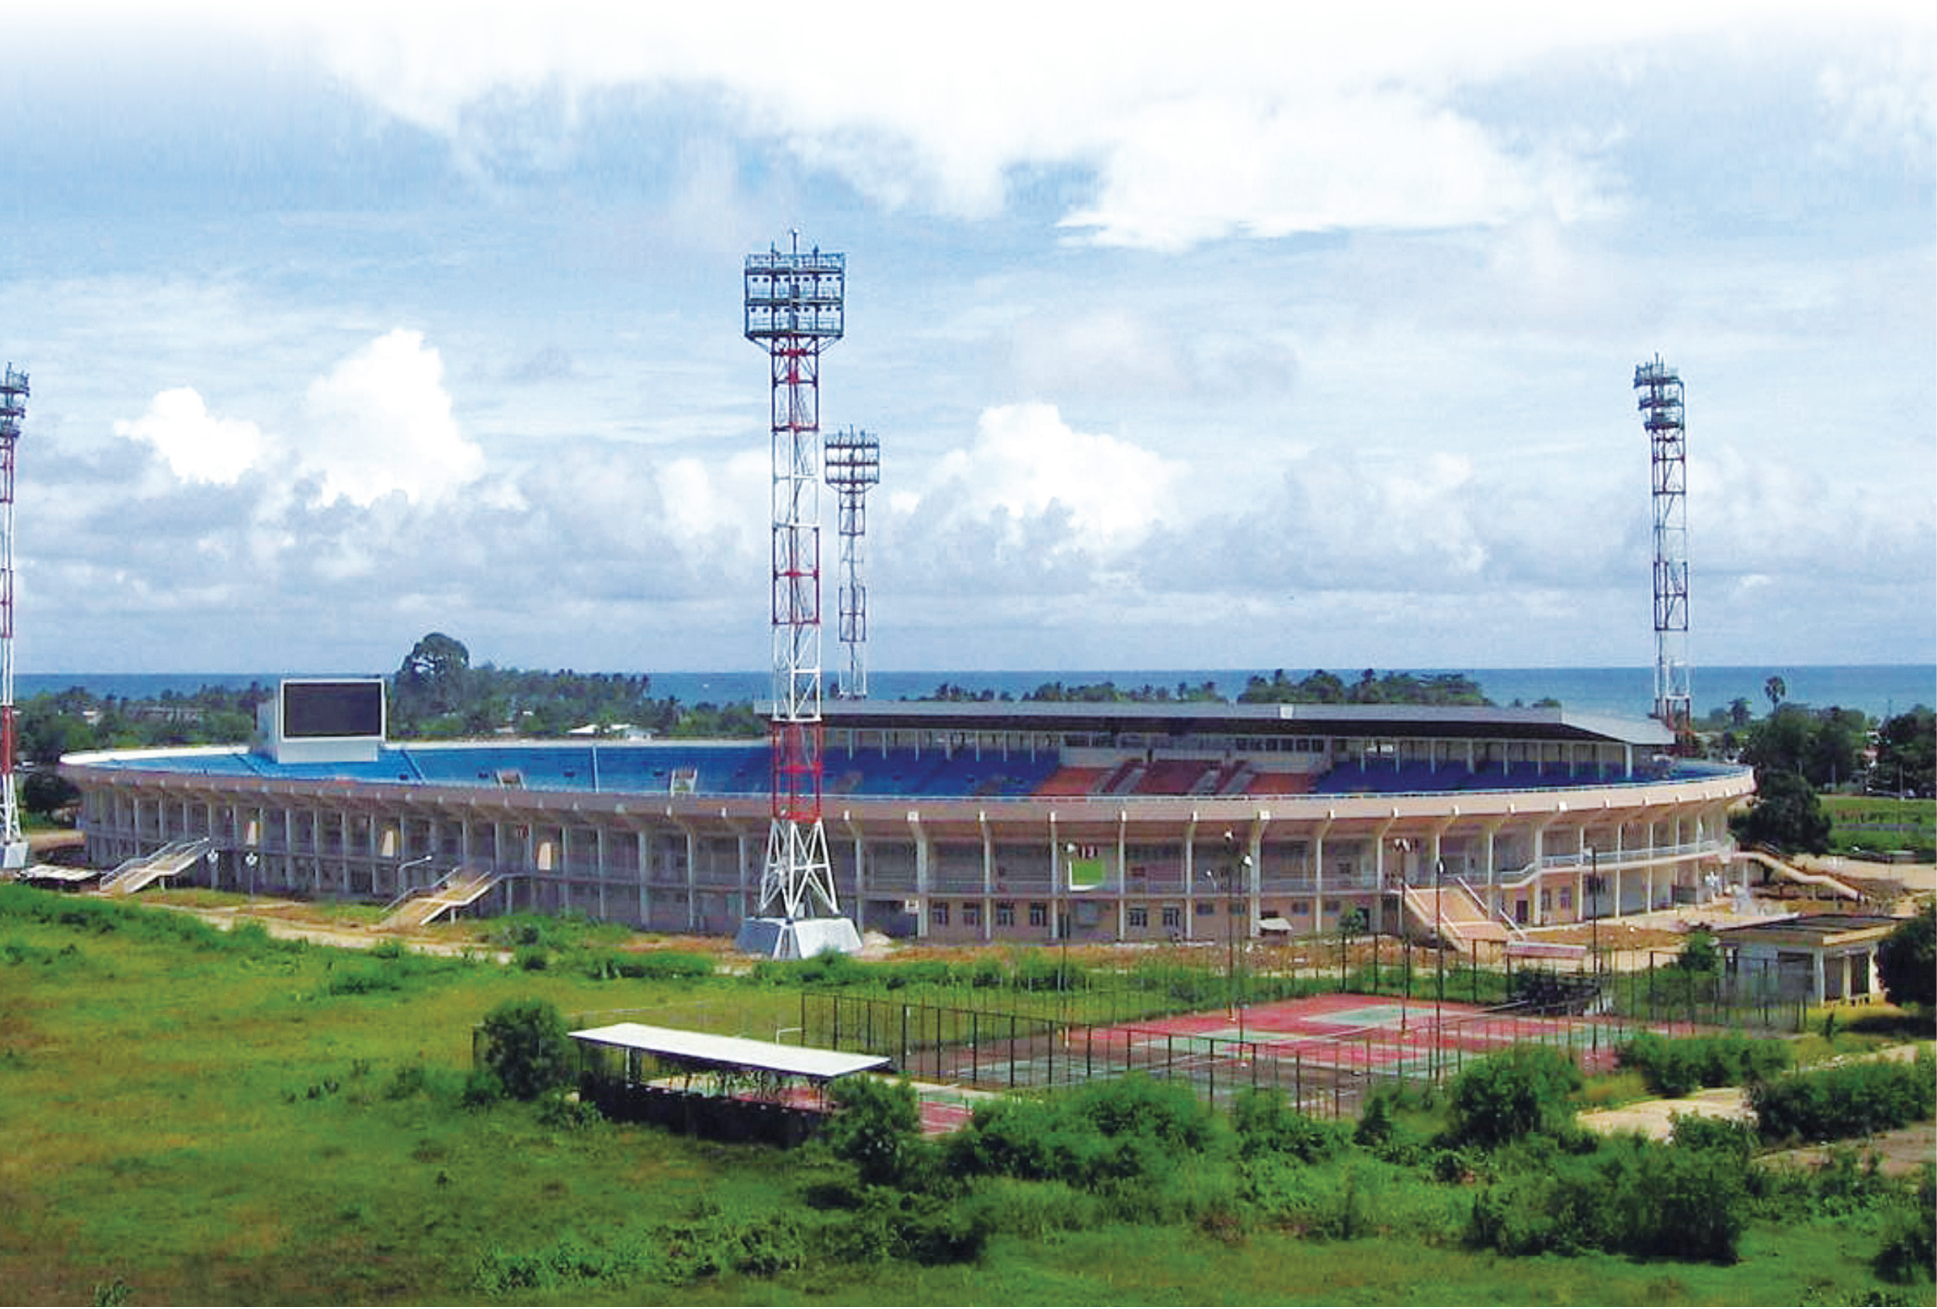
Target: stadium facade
{"points": [[970, 822]]}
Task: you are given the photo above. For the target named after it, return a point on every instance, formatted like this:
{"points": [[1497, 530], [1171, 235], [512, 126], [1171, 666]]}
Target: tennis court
{"points": [[1323, 1052]]}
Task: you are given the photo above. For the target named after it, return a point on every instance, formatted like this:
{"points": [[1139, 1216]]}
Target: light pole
{"points": [[1062, 930], [1594, 928], [1232, 869], [1439, 949]]}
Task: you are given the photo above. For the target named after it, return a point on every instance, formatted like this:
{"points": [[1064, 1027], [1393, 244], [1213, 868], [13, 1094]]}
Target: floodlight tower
{"points": [[1661, 408], [794, 310], [853, 464], [13, 408]]}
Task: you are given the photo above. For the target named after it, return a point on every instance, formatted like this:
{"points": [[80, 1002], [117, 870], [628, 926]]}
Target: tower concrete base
{"points": [[796, 938]]}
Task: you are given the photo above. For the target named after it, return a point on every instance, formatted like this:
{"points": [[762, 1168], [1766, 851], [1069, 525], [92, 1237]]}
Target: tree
{"points": [[1786, 815], [1906, 754], [42, 791], [1739, 712], [526, 1046], [1776, 689], [1906, 962], [432, 678]]}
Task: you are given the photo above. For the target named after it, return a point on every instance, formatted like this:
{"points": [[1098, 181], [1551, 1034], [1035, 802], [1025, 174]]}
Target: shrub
{"points": [[1106, 1136], [1629, 1197], [665, 965], [1726, 1135], [526, 1047], [1505, 1096], [1855, 1099], [1266, 1122], [1143, 1108], [1909, 1249], [558, 1110], [878, 1127], [1676, 1067]]}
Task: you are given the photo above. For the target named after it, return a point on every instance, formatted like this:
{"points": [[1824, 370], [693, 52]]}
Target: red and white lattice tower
{"points": [[794, 310], [1661, 408], [853, 464], [13, 408]]}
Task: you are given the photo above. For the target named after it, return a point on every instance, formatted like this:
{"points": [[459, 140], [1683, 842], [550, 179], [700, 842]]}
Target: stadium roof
{"points": [[1185, 718], [700, 1050]]}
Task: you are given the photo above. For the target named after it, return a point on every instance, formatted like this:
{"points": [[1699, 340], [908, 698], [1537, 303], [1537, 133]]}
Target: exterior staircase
{"points": [[1452, 911], [172, 860], [459, 887]]}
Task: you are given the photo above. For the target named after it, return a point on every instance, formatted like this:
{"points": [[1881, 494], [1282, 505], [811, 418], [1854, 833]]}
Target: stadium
{"points": [[961, 823], [955, 822]]}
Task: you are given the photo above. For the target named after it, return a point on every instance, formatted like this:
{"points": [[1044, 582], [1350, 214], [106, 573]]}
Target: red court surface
{"points": [[1369, 1033]]}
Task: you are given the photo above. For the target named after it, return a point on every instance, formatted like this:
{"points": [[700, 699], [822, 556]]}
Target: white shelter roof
{"points": [[704, 1050]]}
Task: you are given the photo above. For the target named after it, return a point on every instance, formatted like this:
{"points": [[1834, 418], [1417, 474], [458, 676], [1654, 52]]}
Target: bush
{"points": [[1856, 1099], [1266, 1123], [1909, 1249], [1676, 1067], [1384, 1135], [1629, 1197], [1700, 1132], [877, 1127], [1106, 1136], [1505, 1096], [526, 1047]]}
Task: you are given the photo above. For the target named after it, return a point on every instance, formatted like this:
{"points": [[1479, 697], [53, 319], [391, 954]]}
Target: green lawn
{"points": [[1882, 823], [190, 1117]]}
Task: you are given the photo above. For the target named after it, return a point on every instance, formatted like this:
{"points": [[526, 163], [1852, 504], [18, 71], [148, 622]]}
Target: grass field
{"points": [[1882, 823], [198, 1117]]}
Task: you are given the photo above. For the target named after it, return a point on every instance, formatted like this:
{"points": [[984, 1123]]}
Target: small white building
{"points": [[1821, 958]]}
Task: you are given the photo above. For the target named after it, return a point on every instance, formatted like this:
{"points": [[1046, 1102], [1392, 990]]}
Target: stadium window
{"points": [[971, 915], [1546, 900], [1005, 913], [1331, 906], [1173, 916], [1205, 909], [1301, 909], [1139, 916], [1038, 914], [938, 915], [1566, 897], [1234, 908]]}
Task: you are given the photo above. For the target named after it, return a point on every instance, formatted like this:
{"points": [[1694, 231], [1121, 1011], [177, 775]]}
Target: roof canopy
{"points": [[1198, 718], [699, 1050]]}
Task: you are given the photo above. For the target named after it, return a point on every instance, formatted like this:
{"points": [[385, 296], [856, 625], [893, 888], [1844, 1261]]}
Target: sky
{"points": [[1208, 336]]}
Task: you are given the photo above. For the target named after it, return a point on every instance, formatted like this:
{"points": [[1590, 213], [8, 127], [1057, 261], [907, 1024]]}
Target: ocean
{"points": [[1879, 690]]}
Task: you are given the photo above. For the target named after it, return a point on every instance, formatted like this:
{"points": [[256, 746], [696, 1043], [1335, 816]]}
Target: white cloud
{"points": [[198, 446], [1212, 167], [1244, 119], [1027, 461], [381, 421]]}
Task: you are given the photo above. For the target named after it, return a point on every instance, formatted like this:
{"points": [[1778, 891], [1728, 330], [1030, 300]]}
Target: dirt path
{"points": [[1901, 1151], [292, 920]]}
